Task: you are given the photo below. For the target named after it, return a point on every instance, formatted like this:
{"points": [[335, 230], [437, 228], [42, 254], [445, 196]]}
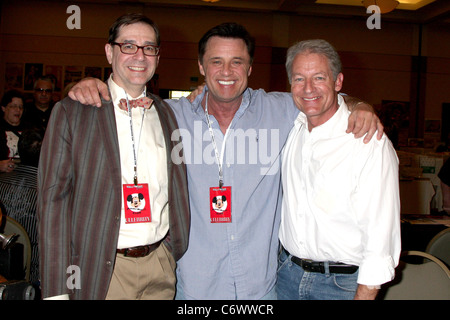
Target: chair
{"points": [[439, 246], [428, 280], [12, 226]]}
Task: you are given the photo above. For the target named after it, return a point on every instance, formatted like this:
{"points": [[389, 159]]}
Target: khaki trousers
{"points": [[145, 278]]}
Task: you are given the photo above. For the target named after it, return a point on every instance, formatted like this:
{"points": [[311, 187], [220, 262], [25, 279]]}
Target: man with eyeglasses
{"points": [[38, 112], [113, 209]]}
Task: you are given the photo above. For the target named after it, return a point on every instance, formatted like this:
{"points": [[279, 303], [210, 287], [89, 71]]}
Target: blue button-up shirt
{"points": [[236, 260]]}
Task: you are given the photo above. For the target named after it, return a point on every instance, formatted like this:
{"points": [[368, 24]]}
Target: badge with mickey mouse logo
{"points": [[220, 204], [137, 203]]}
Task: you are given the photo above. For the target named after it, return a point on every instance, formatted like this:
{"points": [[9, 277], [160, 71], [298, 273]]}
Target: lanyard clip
{"points": [[135, 176], [220, 183]]}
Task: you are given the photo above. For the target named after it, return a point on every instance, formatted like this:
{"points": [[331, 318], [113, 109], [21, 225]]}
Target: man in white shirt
{"points": [[340, 227]]}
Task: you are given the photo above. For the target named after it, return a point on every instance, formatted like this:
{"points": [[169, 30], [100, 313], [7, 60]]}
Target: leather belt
{"points": [[140, 251], [319, 266]]}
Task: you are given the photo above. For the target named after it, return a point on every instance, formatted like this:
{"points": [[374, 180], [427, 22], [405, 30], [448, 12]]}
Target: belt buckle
{"points": [[133, 252], [313, 266], [317, 266]]}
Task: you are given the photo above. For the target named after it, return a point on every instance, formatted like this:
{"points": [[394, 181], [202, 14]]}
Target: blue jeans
{"points": [[296, 284]]}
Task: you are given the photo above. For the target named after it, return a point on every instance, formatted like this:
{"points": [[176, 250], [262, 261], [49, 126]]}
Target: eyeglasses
{"points": [[41, 90], [130, 48]]}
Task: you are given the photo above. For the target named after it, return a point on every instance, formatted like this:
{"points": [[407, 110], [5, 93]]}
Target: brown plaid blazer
{"points": [[79, 201]]}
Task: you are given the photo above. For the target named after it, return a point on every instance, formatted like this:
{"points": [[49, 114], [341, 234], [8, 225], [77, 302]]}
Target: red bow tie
{"points": [[144, 102]]}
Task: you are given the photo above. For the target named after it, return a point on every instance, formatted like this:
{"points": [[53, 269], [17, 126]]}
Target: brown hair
{"points": [[131, 18]]}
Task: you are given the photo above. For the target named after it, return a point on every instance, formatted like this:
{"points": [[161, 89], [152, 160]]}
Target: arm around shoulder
{"points": [[363, 119], [88, 91]]}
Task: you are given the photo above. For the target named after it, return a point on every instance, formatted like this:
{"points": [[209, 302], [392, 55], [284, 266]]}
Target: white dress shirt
{"points": [[341, 198], [151, 167]]}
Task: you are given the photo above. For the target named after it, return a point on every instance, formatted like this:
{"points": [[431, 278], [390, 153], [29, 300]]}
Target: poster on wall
{"points": [[56, 73], [32, 72], [72, 74], [395, 117], [13, 76], [95, 72]]}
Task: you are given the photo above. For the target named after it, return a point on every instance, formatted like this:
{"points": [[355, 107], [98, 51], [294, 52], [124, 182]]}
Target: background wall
{"points": [[402, 61]]}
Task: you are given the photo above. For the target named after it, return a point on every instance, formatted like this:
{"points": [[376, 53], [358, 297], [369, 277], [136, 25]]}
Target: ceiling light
{"points": [[384, 5]]}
